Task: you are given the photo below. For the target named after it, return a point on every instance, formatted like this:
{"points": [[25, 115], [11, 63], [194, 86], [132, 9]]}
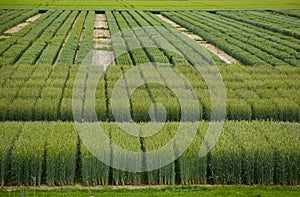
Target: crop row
{"points": [[289, 12], [249, 44], [35, 153], [86, 43], [287, 25], [46, 92], [68, 52]]}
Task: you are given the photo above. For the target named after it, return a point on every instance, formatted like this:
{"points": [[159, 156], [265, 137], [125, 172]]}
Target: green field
{"points": [[54, 81], [206, 191], [150, 4]]}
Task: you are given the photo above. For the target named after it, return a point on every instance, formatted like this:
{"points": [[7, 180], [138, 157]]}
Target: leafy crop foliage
{"points": [[254, 38], [257, 152], [45, 93], [251, 41], [52, 39]]}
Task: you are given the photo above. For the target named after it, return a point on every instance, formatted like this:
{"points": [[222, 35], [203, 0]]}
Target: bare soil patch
{"points": [[16, 28], [182, 29], [79, 186], [20, 26], [33, 18], [100, 17], [100, 33], [103, 54], [103, 58], [193, 36], [221, 54], [101, 25], [99, 46], [3, 37], [169, 21], [104, 41], [97, 187]]}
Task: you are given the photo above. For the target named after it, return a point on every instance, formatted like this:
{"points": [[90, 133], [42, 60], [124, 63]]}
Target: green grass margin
{"points": [[206, 190], [149, 4]]}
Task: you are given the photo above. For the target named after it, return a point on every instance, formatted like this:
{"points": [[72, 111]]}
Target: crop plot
{"points": [[251, 94], [253, 43], [53, 38], [221, 54], [243, 155]]}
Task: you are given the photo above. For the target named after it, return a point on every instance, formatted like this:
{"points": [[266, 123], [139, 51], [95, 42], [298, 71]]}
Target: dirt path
{"points": [[103, 54], [218, 52], [221, 54], [100, 24], [103, 58], [78, 186], [97, 187], [22, 25], [169, 21]]}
